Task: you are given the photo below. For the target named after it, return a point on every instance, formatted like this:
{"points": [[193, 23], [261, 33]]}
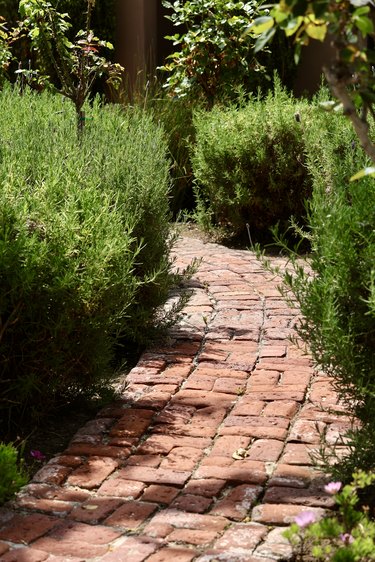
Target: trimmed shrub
{"points": [[337, 301], [249, 164], [12, 476], [84, 245]]}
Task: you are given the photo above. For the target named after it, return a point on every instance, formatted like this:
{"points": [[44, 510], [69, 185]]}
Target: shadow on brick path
{"points": [[206, 456]]}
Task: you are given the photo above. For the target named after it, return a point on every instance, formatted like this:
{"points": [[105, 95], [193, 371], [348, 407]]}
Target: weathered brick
{"points": [[93, 472], [237, 503], [160, 494], [192, 536], [95, 510], [192, 503], [208, 487], [182, 458], [172, 554], [154, 475], [280, 514], [121, 488], [131, 514], [26, 528], [132, 549], [241, 535], [268, 450], [311, 497], [25, 555]]}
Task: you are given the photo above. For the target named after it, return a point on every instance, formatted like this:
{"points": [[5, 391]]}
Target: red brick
{"points": [[26, 528], [226, 445], [241, 535], [265, 450], [95, 510], [67, 548], [25, 555], [93, 472], [209, 416], [273, 351], [121, 488], [160, 494], [275, 546], [248, 407], [281, 408], [132, 549], [252, 472], [192, 536], [131, 514], [181, 520], [192, 503], [256, 431], [85, 449], [298, 453], [76, 531], [280, 514], [296, 376], [238, 502], [53, 507], [163, 444], [154, 475], [277, 393], [3, 547], [158, 530], [200, 383], [185, 430], [67, 460], [209, 487], [311, 497], [211, 370], [306, 431], [292, 475], [229, 386], [172, 554], [201, 399], [145, 460], [52, 474], [261, 377], [182, 458], [54, 493]]}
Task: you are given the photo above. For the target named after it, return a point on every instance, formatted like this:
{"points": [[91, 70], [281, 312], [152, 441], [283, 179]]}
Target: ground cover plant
{"points": [[12, 474], [345, 535], [84, 246], [248, 163]]}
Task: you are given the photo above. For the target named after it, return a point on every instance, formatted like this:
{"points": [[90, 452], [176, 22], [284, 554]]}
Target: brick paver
{"points": [[206, 455]]}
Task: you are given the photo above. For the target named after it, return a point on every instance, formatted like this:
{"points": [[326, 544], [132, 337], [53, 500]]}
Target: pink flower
{"points": [[333, 487], [305, 518], [37, 455], [347, 538]]}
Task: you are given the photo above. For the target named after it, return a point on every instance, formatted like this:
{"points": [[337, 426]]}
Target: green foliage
{"points": [[216, 56], [347, 535], [337, 301], [349, 24], [84, 245], [77, 64], [176, 118], [249, 164], [12, 476], [5, 51]]}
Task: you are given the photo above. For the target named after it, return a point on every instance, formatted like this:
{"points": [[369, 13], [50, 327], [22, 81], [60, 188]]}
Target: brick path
{"points": [[206, 455]]}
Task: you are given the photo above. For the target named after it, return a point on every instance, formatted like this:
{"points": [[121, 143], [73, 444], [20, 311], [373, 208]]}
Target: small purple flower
{"points": [[333, 487], [347, 538], [305, 518], [37, 455]]}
